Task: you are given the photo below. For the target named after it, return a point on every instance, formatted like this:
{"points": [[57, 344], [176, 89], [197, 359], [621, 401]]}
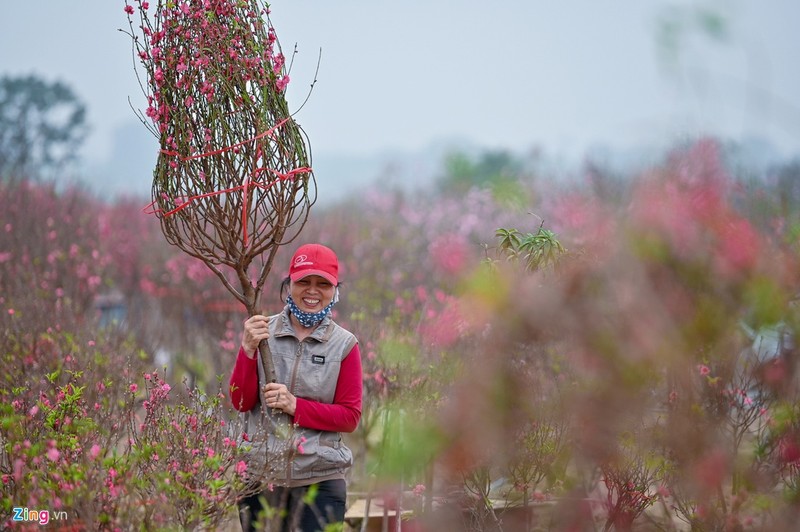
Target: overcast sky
{"points": [[563, 76]]}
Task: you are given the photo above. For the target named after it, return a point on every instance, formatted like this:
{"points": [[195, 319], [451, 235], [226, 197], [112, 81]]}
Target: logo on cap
{"points": [[302, 260]]}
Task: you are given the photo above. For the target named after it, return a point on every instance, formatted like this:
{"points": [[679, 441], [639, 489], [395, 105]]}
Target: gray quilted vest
{"points": [[309, 369]]}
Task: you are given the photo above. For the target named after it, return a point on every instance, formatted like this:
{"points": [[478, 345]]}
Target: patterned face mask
{"points": [[308, 319]]}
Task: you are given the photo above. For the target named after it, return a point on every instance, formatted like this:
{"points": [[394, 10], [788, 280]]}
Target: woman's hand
{"points": [[278, 396], [256, 328]]}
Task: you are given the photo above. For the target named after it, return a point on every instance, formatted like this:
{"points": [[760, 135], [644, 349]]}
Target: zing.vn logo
{"points": [[40, 516]]}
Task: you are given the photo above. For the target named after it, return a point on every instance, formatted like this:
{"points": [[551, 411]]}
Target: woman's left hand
{"points": [[278, 396]]}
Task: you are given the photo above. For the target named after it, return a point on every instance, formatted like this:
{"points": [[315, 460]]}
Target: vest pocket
{"points": [[323, 454]]}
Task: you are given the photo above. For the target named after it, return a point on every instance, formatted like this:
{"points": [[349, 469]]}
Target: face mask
{"points": [[310, 319]]}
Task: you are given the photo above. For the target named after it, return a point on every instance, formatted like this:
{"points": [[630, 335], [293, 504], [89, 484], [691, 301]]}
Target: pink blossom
{"points": [[449, 253], [53, 454], [703, 369], [739, 247], [282, 82], [134, 387], [129, 9], [94, 451], [241, 467], [18, 467], [419, 490], [712, 468]]}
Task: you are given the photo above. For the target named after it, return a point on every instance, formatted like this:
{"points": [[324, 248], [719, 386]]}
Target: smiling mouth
{"points": [[311, 302]]}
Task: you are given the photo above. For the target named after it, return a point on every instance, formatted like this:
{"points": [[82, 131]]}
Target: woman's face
{"points": [[312, 293]]}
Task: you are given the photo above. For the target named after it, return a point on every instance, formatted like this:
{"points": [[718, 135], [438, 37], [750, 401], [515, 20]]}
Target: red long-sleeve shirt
{"points": [[340, 416]]}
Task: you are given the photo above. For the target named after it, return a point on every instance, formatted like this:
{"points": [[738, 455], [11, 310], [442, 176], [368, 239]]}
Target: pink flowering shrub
{"points": [[80, 426], [232, 181], [186, 460], [644, 335], [86, 431]]}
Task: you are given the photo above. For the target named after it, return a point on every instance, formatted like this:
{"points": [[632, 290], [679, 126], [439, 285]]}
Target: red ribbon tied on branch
{"points": [[249, 181]]}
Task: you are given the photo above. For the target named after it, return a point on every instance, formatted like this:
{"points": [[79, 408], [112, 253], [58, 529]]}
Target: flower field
{"points": [[622, 358]]}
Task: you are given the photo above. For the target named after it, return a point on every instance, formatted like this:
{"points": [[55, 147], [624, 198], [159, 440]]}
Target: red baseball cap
{"points": [[314, 259]]}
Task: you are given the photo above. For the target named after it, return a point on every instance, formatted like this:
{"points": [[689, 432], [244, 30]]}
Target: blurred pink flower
{"points": [[134, 387], [53, 454], [449, 253], [703, 369], [712, 469], [789, 450], [739, 247], [94, 451], [282, 82], [129, 9]]}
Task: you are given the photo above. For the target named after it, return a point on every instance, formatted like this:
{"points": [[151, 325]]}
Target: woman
{"points": [[296, 421]]}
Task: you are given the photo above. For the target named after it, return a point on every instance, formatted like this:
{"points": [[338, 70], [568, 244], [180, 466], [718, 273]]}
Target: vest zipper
{"points": [[292, 383], [296, 365]]}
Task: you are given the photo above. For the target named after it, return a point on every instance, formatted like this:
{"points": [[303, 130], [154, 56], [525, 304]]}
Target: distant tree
{"points": [[491, 167], [42, 125]]}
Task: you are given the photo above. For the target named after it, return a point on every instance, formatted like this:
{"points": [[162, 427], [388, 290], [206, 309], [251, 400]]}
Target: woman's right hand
{"points": [[256, 328]]}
